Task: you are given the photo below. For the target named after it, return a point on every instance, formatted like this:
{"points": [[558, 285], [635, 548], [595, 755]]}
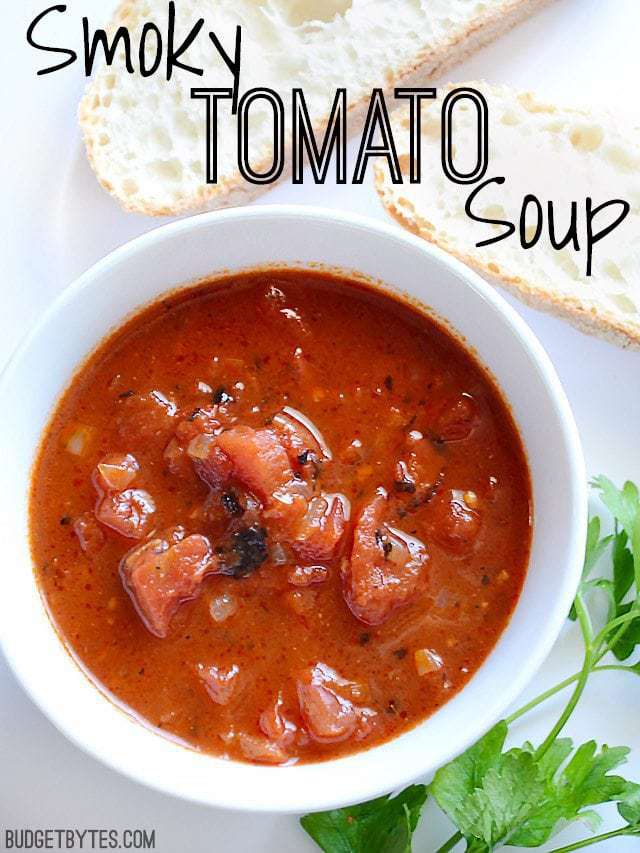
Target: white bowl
{"points": [[299, 236]]}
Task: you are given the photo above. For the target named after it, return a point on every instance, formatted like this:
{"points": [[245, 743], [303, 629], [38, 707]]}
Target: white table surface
{"points": [[56, 221]]}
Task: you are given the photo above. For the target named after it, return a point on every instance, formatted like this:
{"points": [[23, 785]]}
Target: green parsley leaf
{"points": [[595, 548], [486, 792], [622, 566], [384, 825], [516, 799], [623, 504], [635, 548], [629, 806], [461, 777], [618, 589], [584, 781], [624, 570], [506, 797], [627, 643]]}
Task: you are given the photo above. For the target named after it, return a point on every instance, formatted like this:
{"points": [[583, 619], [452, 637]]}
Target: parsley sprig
{"points": [[522, 796]]}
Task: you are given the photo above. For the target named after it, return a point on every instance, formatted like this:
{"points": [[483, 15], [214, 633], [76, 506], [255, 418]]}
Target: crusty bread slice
{"points": [[145, 137], [557, 154]]}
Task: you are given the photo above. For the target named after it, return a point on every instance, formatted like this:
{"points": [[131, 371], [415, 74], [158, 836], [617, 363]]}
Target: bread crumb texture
{"points": [[145, 137], [558, 154]]}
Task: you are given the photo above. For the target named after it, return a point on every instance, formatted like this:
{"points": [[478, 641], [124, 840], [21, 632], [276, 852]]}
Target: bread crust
{"points": [[232, 190], [589, 320]]}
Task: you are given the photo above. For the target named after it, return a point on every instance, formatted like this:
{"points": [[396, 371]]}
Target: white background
{"points": [[56, 221]]}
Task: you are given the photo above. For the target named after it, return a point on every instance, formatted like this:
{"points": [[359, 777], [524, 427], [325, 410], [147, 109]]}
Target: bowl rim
{"points": [[577, 495]]}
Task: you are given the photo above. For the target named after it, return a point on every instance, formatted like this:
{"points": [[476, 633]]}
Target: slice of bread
{"points": [[145, 137], [558, 154]]}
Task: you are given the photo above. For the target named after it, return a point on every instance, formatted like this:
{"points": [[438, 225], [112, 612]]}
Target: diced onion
{"points": [[79, 440], [427, 661], [200, 446], [117, 471], [222, 607]]}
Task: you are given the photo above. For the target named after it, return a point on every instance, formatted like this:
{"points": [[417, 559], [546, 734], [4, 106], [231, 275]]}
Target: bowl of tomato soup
{"points": [[295, 507]]}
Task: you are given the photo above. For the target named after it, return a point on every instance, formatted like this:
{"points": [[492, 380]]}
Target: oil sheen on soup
{"points": [[281, 517]]}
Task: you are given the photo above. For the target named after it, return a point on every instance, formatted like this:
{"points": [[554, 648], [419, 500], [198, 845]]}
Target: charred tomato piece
{"points": [[385, 567], [163, 573]]}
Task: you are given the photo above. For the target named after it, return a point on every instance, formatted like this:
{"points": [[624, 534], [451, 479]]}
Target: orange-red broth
{"points": [[367, 370]]}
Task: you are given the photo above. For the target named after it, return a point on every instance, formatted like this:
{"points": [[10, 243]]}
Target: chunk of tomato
{"points": [[127, 512], [204, 420], [274, 724], [454, 525], [89, 533], [162, 573], [421, 467], [220, 684], [385, 568], [261, 749], [116, 472], [320, 531], [211, 464], [300, 437], [258, 462], [329, 718], [146, 416], [456, 419], [258, 459]]}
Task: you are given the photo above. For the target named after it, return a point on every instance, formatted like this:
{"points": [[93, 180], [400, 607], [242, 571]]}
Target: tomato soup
{"points": [[281, 516]]}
